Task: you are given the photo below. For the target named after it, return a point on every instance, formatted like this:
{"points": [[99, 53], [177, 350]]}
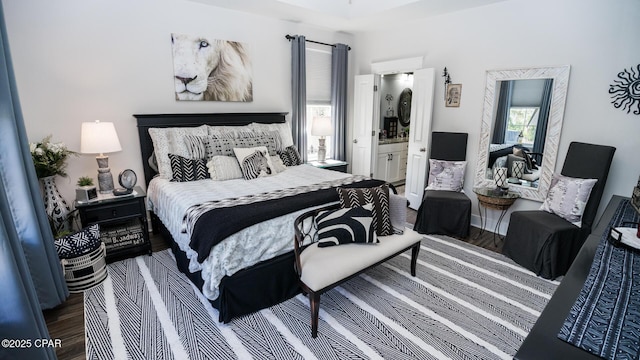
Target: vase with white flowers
{"points": [[50, 160]]}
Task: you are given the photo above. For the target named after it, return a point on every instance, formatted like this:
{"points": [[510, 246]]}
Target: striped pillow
{"points": [[378, 196], [188, 169], [346, 226]]}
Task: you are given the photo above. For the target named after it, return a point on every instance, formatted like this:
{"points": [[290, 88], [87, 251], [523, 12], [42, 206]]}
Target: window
{"points": [[318, 94], [522, 124], [317, 111]]}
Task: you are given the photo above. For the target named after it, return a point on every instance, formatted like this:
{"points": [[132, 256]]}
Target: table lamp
{"points": [[100, 138], [321, 126]]}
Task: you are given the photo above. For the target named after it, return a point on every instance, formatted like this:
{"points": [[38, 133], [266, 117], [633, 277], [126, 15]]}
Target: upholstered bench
{"points": [[322, 268]]}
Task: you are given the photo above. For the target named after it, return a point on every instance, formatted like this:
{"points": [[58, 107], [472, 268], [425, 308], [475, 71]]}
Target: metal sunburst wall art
{"points": [[625, 92]]}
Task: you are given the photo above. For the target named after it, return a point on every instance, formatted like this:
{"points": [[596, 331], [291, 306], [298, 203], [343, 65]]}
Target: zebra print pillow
{"points": [[254, 162], [378, 196], [188, 169], [346, 226]]}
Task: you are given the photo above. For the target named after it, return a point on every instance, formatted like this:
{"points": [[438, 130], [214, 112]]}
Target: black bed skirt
{"points": [[260, 286]]}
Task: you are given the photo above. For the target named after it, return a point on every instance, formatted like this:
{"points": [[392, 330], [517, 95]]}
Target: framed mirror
{"points": [[521, 121]]}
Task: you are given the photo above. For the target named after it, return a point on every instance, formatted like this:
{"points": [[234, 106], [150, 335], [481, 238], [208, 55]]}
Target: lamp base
{"points": [[105, 179], [322, 150]]}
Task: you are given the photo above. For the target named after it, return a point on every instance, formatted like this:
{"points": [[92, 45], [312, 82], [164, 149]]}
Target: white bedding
{"points": [[169, 201]]}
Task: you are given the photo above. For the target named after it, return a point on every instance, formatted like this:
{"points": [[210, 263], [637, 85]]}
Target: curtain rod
{"points": [[290, 37]]}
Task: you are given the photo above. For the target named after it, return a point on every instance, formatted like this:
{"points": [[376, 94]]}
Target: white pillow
{"points": [[567, 197], [446, 175], [171, 140], [398, 212], [284, 129], [224, 168], [254, 162]]}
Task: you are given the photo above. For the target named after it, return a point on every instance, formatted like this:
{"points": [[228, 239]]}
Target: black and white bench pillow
{"points": [[346, 226], [378, 196]]}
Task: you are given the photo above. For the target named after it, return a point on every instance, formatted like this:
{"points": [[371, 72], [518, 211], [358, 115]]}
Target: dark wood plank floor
{"points": [[66, 322]]}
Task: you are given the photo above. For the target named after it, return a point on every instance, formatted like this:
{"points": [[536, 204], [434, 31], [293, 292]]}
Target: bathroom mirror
{"points": [[511, 119]]}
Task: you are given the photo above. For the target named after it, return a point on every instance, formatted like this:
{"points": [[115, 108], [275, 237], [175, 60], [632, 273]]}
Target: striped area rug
{"points": [[465, 303]]}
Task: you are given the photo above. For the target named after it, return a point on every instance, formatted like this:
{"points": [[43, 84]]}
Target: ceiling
{"points": [[348, 15]]}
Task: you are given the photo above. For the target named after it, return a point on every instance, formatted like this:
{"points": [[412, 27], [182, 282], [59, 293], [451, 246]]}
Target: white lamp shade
{"points": [[99, 138], [321, 126]]}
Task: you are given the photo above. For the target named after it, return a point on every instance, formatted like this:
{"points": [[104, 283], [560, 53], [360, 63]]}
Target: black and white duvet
{"points": [[172, 202]]}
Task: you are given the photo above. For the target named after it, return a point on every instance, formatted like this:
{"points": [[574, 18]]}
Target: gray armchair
{"points": [[445, 212], [546, 243]]}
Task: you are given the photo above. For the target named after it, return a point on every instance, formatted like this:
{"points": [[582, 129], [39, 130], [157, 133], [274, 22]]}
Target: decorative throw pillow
{"points": [[254, 162], [196, 146], [567, 197], [184, 169], [290, 156], [170, 140], [378, 196], [346, 226], [224, 168], [78, 244], [283, 129], [446, 175], [398, 212]]}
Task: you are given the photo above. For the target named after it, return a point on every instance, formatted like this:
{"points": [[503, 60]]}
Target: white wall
{"points": [[78, 60], [598, 38]]}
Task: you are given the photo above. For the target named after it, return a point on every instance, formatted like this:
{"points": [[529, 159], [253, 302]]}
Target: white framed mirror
{"points": [[523, 109]]}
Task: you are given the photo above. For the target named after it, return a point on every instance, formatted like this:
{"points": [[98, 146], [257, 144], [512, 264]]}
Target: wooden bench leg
{"points": [[314, 305], [414, 258]]}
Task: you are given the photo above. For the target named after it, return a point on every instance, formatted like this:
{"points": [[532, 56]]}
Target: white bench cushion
{"points": [[347, 259]]}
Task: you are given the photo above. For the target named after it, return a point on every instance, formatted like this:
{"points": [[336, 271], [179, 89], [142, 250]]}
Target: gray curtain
{"points": [[339, 66], [543, 117], [502, 112], [299, 95], [31, 276]]}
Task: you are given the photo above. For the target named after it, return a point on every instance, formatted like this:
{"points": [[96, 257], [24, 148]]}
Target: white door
{"points": [[419, 136], [364, 113]]}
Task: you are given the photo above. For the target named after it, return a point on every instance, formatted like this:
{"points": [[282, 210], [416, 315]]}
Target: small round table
{"points": [[497, 199]]}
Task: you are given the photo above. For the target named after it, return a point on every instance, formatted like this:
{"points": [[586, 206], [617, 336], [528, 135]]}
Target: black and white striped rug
{"points": [[465, 303]]}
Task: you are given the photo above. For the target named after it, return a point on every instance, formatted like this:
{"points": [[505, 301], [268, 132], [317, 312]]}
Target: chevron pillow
{"points": [[346, 226], [184, 169], [78, 244], [290, 156], [378, 196]]}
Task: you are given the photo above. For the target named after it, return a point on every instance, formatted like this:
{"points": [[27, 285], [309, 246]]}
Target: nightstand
{"points": [[123, 223], [329, 164]]}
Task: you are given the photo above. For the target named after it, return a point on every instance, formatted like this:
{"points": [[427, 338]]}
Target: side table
{"points": [[123, 223], [497, 199], [330, 164]]}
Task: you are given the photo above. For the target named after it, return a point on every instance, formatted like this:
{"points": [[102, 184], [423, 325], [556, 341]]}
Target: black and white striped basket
{"points": [[86, 271]]}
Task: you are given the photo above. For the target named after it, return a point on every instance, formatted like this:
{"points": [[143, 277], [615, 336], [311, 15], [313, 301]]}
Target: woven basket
{"points": [[496, 202], [86, 271]]}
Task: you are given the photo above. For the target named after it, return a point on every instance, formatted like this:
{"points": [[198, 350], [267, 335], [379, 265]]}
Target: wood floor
{"points": [[66, 322]]}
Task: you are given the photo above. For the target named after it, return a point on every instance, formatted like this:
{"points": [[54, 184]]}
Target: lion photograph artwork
{"points": [[208, 69]]}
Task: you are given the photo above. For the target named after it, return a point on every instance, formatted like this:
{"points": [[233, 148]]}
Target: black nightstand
{"points": [[329, 164], [123, 223]]}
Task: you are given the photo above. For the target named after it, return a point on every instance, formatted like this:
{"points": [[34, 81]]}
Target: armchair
{"points": [[544, 242], [445, 212]]}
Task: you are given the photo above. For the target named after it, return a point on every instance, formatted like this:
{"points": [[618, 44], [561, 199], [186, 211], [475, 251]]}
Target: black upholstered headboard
{"points": [[146, 121]]}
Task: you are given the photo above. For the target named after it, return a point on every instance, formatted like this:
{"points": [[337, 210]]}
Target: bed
{"points": [[234, 238]]}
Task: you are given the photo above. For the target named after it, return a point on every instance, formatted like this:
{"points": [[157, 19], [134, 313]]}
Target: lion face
{"points": [[194, 58]]}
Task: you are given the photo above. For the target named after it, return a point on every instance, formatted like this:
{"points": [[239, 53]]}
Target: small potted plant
{"points": [[86, 190]]}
